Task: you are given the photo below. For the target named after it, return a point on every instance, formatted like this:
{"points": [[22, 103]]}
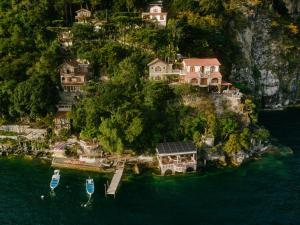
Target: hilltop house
{"points": [[83, 15], [176, 157], [155, 13], [202, 72], [74, 74]]}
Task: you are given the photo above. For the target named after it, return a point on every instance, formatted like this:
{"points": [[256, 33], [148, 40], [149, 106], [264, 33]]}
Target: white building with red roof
{"points": [[155, 13], [202, 72]]}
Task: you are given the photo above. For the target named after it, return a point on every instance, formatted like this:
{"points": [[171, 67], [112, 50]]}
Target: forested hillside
{"points": [[129, 110]]}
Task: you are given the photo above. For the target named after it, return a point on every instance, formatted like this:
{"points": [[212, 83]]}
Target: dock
{"points": [[115, 182]]}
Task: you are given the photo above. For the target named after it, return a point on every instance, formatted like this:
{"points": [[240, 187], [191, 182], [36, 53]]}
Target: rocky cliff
{"points": [[269, 66]]}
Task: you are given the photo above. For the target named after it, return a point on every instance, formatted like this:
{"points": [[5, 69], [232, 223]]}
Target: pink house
{"points": [[202, 72]]}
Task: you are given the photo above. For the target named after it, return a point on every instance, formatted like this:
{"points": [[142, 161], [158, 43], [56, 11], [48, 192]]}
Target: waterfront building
{"points": [[202, 72], [156, 14], [176, 157]]}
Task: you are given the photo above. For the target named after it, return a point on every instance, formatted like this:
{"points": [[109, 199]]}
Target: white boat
{"points": [[55, 180], [89, 186]]}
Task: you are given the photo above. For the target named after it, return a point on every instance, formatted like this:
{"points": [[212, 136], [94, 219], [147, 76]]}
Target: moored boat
{"points": [[55, 180], [89, 186]]}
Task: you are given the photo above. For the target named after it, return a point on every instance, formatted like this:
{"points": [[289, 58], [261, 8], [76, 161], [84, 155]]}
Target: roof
{"points": [[155, 61], [77, 62], [202, 62], [72, 62], [176, 148], [82, 10], [155, 13]]}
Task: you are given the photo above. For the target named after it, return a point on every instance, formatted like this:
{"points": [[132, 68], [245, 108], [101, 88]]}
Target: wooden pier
{"points": [[114, 184]]}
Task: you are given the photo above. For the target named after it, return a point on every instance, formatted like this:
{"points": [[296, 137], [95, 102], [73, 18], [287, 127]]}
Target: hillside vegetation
{"points": [[129, 111]]}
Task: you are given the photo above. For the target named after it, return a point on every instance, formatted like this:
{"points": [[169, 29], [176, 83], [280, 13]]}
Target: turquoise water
{"points": [[265, 191]]}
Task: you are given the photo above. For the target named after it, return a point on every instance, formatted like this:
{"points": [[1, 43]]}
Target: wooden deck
{"points": [[114, 184]]}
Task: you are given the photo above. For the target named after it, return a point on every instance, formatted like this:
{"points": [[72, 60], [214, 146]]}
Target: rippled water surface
{"points": [[265, 191]]}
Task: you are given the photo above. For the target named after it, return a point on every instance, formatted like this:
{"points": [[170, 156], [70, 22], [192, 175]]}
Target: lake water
{"points": [[265, 191]]}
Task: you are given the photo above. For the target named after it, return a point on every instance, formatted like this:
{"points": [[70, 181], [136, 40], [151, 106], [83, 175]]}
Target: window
{"points": [[212, 69], [215, 81], [194, 81], [202, 69], [162, 17], [192, 69], [158, 69]]}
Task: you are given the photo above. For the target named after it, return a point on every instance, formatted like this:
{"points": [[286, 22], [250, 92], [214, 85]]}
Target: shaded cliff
{"points": [[270, 57]]}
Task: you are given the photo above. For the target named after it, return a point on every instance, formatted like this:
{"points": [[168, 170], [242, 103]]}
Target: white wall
{"points": [[155, 9]]}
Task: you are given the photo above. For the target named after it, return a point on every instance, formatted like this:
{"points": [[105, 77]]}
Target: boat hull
{"points": [[89, 186]]}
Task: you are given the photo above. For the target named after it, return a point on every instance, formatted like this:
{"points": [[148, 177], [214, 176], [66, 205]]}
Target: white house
{"points": [[155, 13]]}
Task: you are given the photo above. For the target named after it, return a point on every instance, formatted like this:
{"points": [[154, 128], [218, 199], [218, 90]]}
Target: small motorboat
{"points": [[55, 180], [89, 186]]}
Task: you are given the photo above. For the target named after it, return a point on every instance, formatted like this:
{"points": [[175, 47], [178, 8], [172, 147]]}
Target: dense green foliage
{"points": [[127, 111]]}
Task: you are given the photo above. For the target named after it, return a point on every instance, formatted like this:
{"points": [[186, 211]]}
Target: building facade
{"points": [[62, 121], [176, 157], [83, 15], [202, 72], [65, 38], [74, 74], [156, 14]]}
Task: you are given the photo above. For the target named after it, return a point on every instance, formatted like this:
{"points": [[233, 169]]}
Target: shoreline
{"points": [[282, 150]]}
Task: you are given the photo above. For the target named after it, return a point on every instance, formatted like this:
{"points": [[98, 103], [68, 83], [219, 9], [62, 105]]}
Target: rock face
{"points": [[269, 65]]}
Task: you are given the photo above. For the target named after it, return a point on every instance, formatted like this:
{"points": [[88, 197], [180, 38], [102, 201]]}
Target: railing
{"points": [[175, 165]]}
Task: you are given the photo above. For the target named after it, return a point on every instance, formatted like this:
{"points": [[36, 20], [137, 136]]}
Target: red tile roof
{"points": [[202, 62], [155, 61]]}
